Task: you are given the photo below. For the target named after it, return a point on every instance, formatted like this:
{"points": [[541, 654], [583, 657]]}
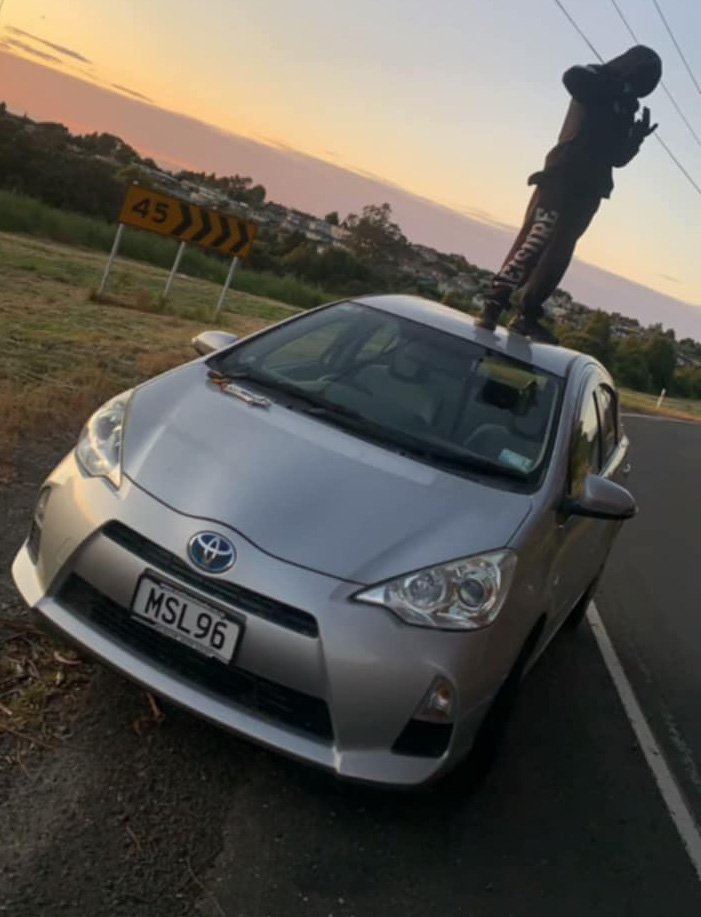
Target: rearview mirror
{"points": [[209, 341], [602, 499]]}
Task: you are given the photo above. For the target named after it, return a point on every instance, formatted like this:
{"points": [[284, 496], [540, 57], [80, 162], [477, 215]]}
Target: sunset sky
{"points": [[454, 100]]}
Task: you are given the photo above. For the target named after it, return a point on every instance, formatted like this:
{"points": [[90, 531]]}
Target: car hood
{"points": [[303, 490]]}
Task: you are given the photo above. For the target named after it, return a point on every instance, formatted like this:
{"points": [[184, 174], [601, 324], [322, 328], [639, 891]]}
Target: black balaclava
{"points": [[640, 67]]}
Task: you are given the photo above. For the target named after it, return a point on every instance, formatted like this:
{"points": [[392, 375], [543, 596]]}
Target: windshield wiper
{"points": [[319, 407], [315, 406], [249, 375], [238, 375], [469, 462], [350, 419]]}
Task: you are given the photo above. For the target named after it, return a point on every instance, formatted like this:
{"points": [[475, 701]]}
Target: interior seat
{"points": [[520, 431], [398, 390]]}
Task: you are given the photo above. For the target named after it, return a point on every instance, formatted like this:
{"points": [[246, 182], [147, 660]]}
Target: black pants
{"points": [[543, 249]]}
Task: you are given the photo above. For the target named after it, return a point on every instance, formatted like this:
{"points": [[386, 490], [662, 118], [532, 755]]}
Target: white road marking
{"points": [[676, 804]]}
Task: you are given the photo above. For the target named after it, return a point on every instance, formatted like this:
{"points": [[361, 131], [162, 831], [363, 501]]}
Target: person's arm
{"points": [[631, 143], [591, 86]]}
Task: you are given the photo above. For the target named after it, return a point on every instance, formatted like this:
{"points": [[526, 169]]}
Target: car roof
{"points": [[549, 358]]}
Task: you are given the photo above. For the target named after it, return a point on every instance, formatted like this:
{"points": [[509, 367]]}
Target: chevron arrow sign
{"points": [[170, 216]]}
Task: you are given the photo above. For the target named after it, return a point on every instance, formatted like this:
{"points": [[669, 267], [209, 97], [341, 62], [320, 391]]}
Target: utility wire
{"points": [[671, 155], [676, 161], [676, 45], [662, 82], [581, 33]]}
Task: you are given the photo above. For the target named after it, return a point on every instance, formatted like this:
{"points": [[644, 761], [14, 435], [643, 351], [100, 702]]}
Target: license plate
{"points": [[187, 620]]}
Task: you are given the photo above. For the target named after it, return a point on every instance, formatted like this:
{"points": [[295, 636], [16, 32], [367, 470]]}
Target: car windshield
{"points": [[439, 397]]}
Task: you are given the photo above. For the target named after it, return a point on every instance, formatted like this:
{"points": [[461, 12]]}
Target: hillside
{"points": [[334, 256]]}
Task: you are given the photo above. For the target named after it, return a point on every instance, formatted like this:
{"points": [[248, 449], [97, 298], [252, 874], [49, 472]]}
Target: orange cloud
{"points": [[11, 43], [131, 92], [67, 52]]}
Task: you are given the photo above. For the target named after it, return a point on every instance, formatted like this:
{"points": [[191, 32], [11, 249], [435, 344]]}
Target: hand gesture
{"points": [[642, 127]]}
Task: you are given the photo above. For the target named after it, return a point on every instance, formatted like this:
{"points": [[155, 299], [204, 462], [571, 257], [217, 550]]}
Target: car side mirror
{"points": [[209, 341], [602, 499]]}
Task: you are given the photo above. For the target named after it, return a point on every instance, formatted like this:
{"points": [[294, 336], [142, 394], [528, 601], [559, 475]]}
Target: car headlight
{"points": [[460, 595], [99, 448]]}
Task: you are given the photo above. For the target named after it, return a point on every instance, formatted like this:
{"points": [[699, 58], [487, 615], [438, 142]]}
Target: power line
{"points": [[662, 82], [581, 33], [680, 112], [625, 22], [676, 45], [675, 160], [671, 155]]}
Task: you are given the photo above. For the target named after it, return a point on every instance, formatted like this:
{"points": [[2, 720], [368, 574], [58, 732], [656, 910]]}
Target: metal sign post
{"points": [[110, 260], [173, 270], [188, 223], [225, 288]]}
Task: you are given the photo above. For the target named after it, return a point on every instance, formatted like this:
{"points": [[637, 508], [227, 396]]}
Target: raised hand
{"points": [[642, 126]]}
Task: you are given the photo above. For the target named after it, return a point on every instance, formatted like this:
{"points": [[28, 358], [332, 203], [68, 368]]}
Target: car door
{"points": [[597, 447]]}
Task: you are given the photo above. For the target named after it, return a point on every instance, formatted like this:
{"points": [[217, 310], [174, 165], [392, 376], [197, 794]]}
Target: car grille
{"points": [[251, 602], [270, 700]]}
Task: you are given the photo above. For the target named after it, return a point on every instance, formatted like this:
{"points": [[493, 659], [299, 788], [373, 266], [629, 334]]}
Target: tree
{"points": [[630, 365], [373, 237], [332, 268], [661, 360], [578, 340], [687, 382], [594, 338], [598, 328], [107, 145], [256, 195], [237, 187], [135, 173], [332, 218]]}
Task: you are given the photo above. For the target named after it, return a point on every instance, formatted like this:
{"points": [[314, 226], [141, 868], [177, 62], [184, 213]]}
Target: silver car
{"points": [[345, 537]]}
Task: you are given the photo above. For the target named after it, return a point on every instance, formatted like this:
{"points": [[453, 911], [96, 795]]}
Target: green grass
{"points": [[131, 283], [64, 352], [681, 408], [21, 214]]}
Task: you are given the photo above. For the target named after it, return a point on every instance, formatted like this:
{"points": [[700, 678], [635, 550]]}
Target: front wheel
{"points": [[492, 730], [576, 616]]}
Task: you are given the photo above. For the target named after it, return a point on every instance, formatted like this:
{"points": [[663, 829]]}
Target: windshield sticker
{"points": [[514, 460]]}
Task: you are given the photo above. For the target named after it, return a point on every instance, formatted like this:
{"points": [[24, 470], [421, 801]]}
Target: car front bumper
{"points": [[338, 693]]}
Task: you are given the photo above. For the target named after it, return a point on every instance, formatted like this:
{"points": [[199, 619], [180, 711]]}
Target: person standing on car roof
{"points": [[600, 132]]}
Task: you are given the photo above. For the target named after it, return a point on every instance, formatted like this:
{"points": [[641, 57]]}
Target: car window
{"points": [[435, 394], [607, 417], [586, 447], [508, 413], [385, 337], [306, 348]]}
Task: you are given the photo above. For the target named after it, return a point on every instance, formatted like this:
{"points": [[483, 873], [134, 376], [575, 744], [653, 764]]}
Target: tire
{"points": [[492, 730], [577, 615]]}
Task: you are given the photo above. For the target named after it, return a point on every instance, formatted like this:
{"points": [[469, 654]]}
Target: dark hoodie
{"points": [[600, 130]]}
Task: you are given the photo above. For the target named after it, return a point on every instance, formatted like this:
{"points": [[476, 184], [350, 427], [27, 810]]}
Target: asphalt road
{"points": [[187, 820], [650, 600]]}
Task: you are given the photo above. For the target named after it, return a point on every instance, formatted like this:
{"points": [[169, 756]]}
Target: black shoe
{"points": [[490, 316], [533, 329]]}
